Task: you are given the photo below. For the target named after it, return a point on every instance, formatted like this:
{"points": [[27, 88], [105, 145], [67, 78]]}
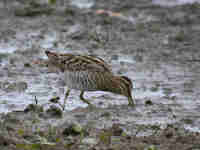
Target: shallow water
{"points": [[174, 2], [83, 3]]}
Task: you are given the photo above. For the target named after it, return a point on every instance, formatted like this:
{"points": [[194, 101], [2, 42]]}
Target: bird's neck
{"points": [[113, 84]]}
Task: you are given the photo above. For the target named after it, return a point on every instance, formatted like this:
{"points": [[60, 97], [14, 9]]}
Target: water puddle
{"points": [[28, 39], [7, 48], [192, 129], [83, 3], [171, 3]]}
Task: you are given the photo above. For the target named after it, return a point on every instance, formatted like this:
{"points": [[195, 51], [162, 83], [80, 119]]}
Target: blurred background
{"points": [[154, 42]]}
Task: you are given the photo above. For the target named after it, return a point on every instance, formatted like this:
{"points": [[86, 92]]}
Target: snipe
{"points": [[89, 73]]}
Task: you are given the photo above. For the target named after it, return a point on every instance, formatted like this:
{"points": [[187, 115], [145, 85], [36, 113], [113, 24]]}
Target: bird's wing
{"points": [[86, 62]]}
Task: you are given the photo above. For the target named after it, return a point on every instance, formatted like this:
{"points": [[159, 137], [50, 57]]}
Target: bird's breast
{"points": [[80, 80]]}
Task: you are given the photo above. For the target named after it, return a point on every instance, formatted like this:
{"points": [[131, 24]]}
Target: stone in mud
{"points": [[54, 111], [15, 86], [73, 129], [27, 65], [148, 102], [152, 147], [89, 141], [33, 108], [116, 130], [54, 100]]}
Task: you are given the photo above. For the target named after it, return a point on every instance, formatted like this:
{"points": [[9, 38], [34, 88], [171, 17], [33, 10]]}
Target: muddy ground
{"points": [[156, 46]]}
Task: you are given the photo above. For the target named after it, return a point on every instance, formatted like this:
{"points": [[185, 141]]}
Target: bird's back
{"points": [[84, 63], [81, 72]]}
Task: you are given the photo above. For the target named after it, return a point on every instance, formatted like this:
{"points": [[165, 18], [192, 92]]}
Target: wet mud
{"points": [[156, 46]]}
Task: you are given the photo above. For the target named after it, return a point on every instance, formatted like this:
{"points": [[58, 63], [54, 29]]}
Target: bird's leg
{"points": [[65, 99], [131, 101], [83, 99]]}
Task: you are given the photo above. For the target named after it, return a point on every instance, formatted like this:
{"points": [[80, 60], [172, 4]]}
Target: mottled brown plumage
{"points": [[90, 73]]}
